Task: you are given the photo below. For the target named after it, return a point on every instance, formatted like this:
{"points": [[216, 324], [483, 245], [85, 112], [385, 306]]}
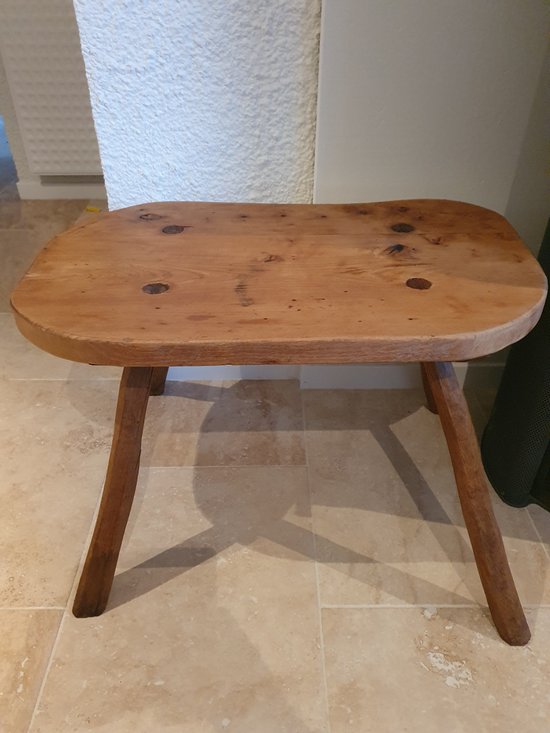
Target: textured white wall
{"points": [[426, 98], [203, 100]]}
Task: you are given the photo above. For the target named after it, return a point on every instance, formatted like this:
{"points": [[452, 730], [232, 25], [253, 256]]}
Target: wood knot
{"points": [[174, 229], [241, 289], [155, 288], [394, 249], [402, 227], [418, 283]]}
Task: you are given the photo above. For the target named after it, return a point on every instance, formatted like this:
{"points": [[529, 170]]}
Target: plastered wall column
{"points": [[203, 100]]}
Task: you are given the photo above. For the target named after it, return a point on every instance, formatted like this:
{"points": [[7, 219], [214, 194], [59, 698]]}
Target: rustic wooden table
{"points": [[166, 284]]}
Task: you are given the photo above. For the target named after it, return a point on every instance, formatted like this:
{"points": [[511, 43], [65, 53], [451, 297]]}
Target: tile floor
{"points": [[294, 562]]}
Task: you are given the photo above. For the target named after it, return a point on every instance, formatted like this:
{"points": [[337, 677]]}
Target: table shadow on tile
{"points": [[252, 408]]}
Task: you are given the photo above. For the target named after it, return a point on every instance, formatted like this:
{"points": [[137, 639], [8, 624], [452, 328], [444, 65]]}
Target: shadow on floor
{"points": [[234, 410]]}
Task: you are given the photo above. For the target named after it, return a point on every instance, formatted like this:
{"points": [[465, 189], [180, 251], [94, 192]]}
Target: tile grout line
{"points": [[538, 534], [408, 606], [400, 605], [47, 670], [32, 608], [316, 570], [63, 379], [224, 466], [66, 612]]}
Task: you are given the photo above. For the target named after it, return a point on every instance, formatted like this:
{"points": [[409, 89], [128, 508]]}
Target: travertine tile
{"points": [[18, 248], [91, 211], [25, 644], [9, 192], [19, 359], [25, 228], [541, 520], [428, 670], [241, 423], [386, 511], [217, 626], [43, 217], [54, 445]]}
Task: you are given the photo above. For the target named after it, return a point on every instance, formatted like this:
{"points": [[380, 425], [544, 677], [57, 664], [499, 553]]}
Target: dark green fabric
{"points": [[516, 441]]}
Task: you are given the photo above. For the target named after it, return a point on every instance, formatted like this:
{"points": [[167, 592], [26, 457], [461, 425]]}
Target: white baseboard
{"points": [[41, 190], [344, 376]]}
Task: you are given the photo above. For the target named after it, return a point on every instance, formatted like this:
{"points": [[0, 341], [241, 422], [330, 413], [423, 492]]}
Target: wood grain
{"points": [[473, 491], [206, 283], [430, 400], [158, 380], [118, 493]]}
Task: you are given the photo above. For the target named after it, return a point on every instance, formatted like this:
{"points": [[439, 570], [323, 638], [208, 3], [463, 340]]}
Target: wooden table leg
{"points": [[118, 493], [473, 491], [430, 402], [158, 380]]}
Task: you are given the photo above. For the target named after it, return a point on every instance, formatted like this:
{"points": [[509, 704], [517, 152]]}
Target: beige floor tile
{"points": [[386, 513], [43, 217], [92, 210], [18, 248], [427, 671], [25, 644], [54, 443], [9, 192], [541, 520], [213, 621], [19, 359], [241, 423], [25, 228]]}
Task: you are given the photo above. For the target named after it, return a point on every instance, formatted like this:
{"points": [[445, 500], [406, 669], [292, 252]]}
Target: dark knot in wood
{"points": [[173, 229], [418, 283], [155, 288], [394, 249]]}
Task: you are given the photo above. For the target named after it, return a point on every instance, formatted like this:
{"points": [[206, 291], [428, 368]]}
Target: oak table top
{"points": [[210, 283]]}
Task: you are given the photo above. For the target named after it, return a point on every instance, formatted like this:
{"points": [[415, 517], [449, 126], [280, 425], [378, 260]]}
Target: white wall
{"points": [[429, 98], [528, 207], [203, 100]]}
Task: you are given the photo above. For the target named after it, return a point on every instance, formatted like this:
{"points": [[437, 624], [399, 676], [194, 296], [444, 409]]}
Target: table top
{"points": [[213, 283]]}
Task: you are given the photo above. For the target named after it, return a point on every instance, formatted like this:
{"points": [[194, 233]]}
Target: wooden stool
{"points": [[200, 283]]}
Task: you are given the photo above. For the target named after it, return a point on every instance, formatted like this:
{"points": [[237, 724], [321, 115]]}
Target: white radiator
{"points": [[40, 49]]}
